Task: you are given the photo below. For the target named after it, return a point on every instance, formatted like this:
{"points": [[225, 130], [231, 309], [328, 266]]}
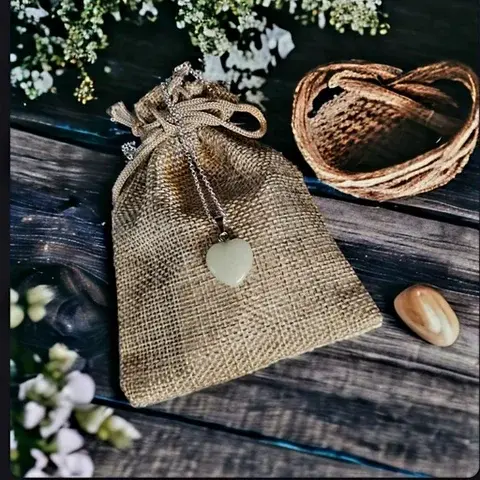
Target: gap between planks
{"points": [[367, 466], [431, 205]]}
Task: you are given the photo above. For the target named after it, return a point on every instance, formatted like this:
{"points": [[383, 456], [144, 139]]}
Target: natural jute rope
{"points": [[380, 133]]}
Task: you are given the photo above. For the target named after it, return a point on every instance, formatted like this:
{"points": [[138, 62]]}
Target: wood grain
{"points": [[386, 396], [171, 449], [422, 32], [459, 198]]}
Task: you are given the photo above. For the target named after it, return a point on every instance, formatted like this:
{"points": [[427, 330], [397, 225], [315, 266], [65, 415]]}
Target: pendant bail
{"points": [[223, 235]]}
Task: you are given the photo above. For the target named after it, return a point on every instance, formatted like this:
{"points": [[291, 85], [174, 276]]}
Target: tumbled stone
{"points": [[428, 314]]}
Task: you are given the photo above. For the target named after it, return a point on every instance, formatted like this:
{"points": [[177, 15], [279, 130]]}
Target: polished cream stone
{"points": [[230, 261], [428, 314]]}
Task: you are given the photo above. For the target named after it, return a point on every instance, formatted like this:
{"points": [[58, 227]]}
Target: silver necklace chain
{"points": [[188, 149], [129, 149], [187, 146]]}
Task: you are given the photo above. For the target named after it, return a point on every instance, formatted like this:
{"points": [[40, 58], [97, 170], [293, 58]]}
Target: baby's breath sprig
{"points": [[50, 35]]}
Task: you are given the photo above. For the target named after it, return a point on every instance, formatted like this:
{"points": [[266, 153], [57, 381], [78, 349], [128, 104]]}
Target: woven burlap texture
{"points": [[180, 329]]}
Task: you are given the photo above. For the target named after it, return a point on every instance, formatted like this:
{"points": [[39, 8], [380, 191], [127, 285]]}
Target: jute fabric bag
{"points": [[180, 329]]}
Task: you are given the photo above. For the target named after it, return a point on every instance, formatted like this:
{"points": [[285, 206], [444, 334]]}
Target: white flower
{"points": [[45, 387], [41, 294], [116, 15], [322, 20], [58, 418], [254, 81], [17, 74], [33, 414], [213, 69], [41, 460], [68, 440], [13, 293], [34, 473], [16, 315], [79, 389], [120, 432], [91, 417], [256, 98], [43, 84], [63, 357], [209, 32], [75, 465], [26, 387], [13, 441], [36, 312], [283, 40], [148, 7], [35, 13], [38, 386], [120, 424]]}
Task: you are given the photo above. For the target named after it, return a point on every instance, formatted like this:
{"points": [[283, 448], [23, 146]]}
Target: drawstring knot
{"points": [[154, 124]]}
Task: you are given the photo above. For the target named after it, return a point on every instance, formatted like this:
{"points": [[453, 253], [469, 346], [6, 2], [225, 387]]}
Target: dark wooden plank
{"points": [[422, 32], [456, 202], [460, 198], [170, 449], [386, 396]]}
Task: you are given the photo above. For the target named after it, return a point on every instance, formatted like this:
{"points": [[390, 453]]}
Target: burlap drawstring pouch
{"points": [[223, 264], [376, 132]]}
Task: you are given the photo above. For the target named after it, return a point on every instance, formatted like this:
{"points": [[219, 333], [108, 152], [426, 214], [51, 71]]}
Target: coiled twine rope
{"points": [[374, 132]]}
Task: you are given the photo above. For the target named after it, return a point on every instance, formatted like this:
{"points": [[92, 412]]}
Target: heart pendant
{"points": [[230, 261]]}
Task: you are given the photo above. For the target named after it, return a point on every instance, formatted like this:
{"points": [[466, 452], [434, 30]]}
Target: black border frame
{"points": [[5, 239]]}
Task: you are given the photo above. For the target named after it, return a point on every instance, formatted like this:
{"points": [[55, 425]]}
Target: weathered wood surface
{"points": [[459, 198], [422, 32], [171, 449], [385, 396]]}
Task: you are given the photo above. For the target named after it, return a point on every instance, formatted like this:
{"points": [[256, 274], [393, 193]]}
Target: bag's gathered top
{"points": [[375, 132], [181, 119], [223, 264]]}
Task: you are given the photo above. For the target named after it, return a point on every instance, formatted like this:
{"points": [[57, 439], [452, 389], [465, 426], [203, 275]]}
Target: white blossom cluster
{"points": [[240, 64], [207, 21], [49, 403], [33, 75], [216, 27], [360, 15], [37, 298], [38, 56]]}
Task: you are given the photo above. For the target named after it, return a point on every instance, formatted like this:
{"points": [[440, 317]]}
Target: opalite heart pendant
{"points": [[230, 261]]}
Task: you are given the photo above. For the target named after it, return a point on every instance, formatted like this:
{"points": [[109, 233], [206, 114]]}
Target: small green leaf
{"points": [[16, 470]]}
